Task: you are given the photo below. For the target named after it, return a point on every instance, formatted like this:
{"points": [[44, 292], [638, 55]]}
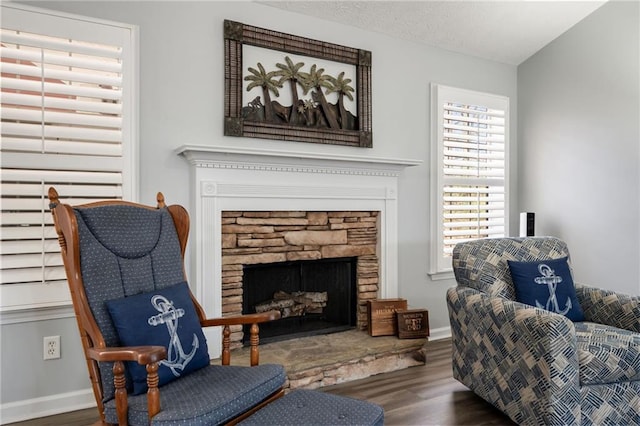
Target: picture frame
{"points": [[312, 119]]}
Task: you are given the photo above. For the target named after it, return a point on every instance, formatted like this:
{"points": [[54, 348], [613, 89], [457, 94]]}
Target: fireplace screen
{"points": [[313, 296]]}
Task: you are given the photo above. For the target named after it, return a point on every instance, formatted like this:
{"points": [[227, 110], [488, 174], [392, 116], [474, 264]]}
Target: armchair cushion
{"points": [[164, 317], [547, 284], [607, 354]]}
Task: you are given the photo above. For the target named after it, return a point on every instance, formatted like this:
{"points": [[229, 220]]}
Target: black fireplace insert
{"points": [[313, 297]]}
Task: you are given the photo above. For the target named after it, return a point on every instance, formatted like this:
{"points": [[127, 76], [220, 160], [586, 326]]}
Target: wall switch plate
{"points": [[51, 347]]}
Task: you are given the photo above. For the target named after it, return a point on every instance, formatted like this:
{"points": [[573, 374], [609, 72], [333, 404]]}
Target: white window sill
{"points": [[441, 275]]}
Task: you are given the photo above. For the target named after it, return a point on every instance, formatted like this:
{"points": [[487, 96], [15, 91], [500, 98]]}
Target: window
{"points": [[469, 169], [67, 120]]}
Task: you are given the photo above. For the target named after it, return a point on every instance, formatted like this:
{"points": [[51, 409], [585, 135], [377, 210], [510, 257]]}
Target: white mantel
{"points": [[221, 156], [250, 179]]}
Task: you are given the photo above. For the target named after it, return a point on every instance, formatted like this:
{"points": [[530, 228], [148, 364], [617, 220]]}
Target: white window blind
{"points": [[66, 122], [470, 169]]}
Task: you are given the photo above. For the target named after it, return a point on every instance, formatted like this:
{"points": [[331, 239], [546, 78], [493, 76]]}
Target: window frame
{"points": [[15, 298], [440, 266]]}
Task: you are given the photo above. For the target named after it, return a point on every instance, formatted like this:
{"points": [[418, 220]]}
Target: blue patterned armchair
{"points": [[536, 366]]}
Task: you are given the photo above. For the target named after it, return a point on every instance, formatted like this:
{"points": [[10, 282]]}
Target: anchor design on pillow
{"points": [[177, 359], [548, 277]]}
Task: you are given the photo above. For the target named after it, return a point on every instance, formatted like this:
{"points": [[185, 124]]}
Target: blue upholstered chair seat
{"points": [[607, 354], [195, 400]]}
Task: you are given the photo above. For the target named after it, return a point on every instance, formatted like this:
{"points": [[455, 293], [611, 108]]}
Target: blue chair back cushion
{"points": [[125, 250]]}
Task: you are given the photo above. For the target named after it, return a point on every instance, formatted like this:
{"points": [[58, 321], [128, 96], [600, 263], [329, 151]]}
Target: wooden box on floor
{"points": [[382, 316], [413, 324]]}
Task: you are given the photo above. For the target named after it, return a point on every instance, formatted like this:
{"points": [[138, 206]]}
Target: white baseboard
{"points": [[439, 333], [46, 406]]}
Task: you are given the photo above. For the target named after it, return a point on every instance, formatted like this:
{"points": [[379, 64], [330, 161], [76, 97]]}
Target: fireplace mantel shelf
{"points": [[232, 157]]}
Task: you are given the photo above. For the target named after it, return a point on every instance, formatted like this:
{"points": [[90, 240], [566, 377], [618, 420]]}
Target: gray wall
{"points": [[579, 141], [25, 375]]}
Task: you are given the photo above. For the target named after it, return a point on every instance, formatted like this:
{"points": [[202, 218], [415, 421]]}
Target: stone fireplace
{"points": [[286, 237], [349, 205]]}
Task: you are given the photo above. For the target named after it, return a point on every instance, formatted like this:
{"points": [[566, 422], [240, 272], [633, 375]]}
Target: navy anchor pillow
{"points": [[166, 318], [548, 285]]}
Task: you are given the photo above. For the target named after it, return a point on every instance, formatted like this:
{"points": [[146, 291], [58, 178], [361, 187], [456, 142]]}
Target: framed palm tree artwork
{"points": [[285, 87]]}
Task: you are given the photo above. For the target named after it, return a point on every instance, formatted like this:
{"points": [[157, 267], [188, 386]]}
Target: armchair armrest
{"points": [[609, 307], [227, 322], [144, 355], [141, 354], [519, 358], [242, 319]]}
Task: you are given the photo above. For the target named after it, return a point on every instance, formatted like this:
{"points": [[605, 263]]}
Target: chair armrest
{"points": [[242, 319], [141, 354], [227, 322], [149, 356], [520, 358], [609, 307]]}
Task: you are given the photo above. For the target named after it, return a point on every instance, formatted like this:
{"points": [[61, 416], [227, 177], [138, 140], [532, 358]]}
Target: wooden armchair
{"points": [[116, 252]]}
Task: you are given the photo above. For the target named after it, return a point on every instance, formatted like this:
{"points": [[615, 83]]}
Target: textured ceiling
{"points": [[507, 31]]}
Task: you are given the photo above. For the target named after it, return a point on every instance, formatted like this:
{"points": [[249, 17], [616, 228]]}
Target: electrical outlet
{"points": [[51, 347]]}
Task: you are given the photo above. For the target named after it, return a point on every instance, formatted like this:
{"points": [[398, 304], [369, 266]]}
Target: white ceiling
{"points": [[507, 31]]}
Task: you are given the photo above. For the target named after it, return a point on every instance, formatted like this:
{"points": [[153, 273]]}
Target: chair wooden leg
{"points": [[254, 340], [121, 393], [153, 394], [226, 345]]}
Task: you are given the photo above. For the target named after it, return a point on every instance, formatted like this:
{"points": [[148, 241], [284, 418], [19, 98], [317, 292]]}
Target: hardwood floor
{"points": [[424, 395]]}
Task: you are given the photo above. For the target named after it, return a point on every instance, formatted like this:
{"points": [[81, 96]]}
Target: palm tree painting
{"points": [[280, 86], [315, 111]]}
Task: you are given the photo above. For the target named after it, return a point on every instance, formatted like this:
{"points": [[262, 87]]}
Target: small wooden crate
{"points": [[382, 316], [413, 324]]}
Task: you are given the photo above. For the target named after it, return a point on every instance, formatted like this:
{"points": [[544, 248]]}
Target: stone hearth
{"points": [[316, 361]]}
